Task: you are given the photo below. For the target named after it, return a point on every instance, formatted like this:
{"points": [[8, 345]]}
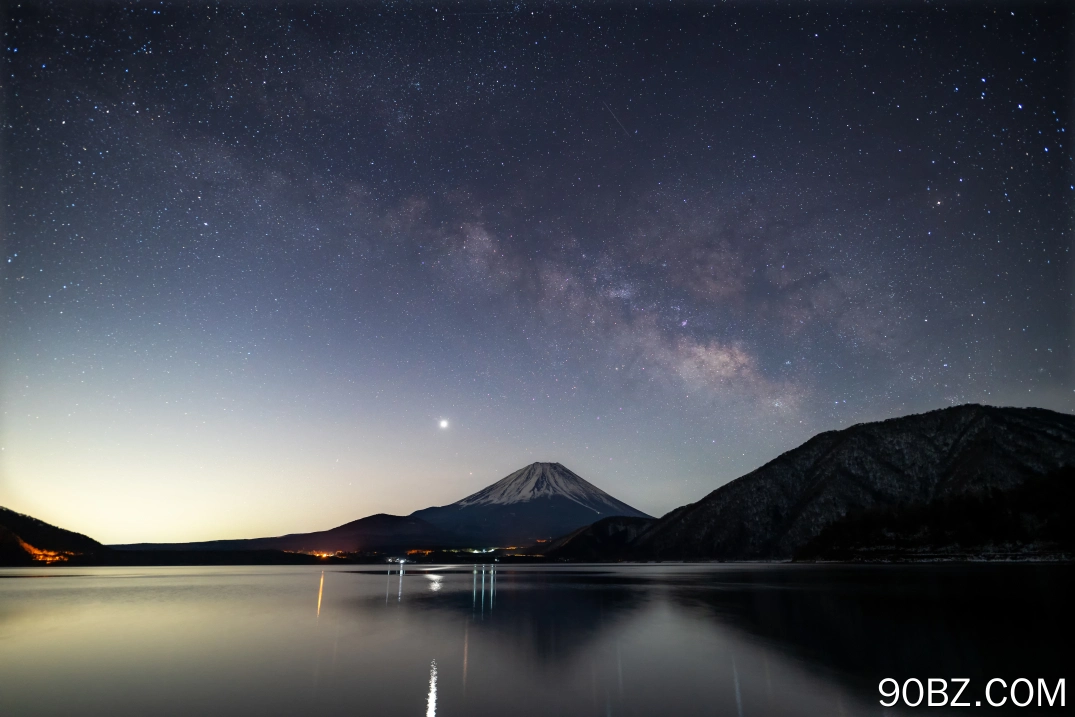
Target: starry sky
{"points": [[254, 256]]}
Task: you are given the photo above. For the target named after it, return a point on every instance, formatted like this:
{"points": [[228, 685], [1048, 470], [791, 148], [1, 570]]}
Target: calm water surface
{"points": [[580, 640]]}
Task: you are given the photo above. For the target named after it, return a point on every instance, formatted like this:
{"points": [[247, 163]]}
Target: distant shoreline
{"points": [[169, 558]]}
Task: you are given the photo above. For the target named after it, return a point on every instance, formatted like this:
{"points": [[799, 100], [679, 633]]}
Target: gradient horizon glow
{"points": [[269, 270]]}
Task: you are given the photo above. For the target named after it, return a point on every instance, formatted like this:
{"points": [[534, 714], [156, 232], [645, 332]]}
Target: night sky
{"points": [[253, 257]]}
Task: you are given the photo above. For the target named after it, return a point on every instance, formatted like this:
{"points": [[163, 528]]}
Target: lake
{"points": [[664, 639]]}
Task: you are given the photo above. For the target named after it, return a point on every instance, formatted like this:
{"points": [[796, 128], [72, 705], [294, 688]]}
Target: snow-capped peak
{"points": [[544, 480]]}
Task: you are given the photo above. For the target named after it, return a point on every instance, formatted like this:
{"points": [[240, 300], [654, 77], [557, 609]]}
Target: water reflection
{"points": [[635, 640], [546, 614], [865, 623], [474, 600], [431, 699], [320, 590], [738, 695]]}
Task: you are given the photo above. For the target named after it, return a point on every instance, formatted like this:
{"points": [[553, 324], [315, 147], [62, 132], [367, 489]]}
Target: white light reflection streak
{"points": [[320, 590], [738, 697], [431, 701], [619, 670]]}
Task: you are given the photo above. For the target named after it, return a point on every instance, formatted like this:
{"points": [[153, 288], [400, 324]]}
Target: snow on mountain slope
{"points": [[967, 452], [546, 480], [538, 502]]}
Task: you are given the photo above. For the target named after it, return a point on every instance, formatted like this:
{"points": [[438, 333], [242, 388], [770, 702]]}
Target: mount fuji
{"points": [[538, 502]]}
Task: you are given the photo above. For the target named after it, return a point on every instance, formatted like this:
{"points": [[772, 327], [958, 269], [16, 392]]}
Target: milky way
{"points": [[254, 257]]}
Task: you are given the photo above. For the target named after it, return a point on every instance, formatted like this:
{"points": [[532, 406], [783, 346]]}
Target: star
{"points": [[444, 423]]}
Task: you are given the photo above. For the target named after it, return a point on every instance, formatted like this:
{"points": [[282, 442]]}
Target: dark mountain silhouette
{"points": [[607, 539], [372, 534], [1036, 518], [895, 466], [959, 482], [29, 541], [538, 502]]}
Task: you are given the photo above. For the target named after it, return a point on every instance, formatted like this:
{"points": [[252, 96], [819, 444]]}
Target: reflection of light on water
{"points": [[434, 581], [466, 644], [320, 590], [738, 697], [619, 670], [431, 701], [491, 569]]}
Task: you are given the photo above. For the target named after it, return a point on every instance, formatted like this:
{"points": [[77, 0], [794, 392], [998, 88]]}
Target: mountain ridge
{"points": [[373, 533], [775, 510], [538, 502], [953, 481], [25, 540], [542, 480]]}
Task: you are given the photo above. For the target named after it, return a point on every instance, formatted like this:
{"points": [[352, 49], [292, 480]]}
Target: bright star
{"points": [[444, 423]]}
